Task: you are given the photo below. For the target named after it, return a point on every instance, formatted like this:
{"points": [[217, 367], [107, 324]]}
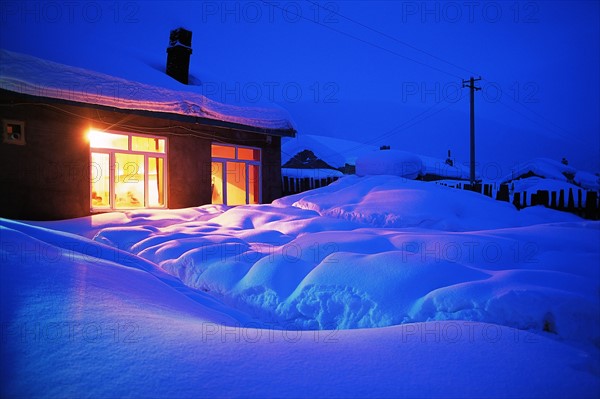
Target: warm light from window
{"points": [[99, 139]]}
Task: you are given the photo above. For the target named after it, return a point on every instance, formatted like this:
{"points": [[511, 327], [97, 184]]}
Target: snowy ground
{"points": [[375, 286]]}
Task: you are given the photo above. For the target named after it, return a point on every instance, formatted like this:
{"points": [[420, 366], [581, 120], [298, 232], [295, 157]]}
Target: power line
{"points": [[543, 118], [547, 128], [362, 40], [403, 126], [391, 37]]}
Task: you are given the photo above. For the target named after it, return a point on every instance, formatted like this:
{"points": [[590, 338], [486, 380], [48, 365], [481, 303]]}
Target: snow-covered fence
{"points": [[297, 180], [580, 202], [295, 185]]}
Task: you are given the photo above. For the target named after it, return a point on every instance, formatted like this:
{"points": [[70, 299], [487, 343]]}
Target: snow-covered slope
{"points": [[34, 76]]}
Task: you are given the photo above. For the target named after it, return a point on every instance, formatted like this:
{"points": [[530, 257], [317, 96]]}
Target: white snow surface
{"points": [[27, 74], [370, 287]]}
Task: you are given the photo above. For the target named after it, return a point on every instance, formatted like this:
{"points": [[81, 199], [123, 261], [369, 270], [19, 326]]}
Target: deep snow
{"points": [[408, 289]]}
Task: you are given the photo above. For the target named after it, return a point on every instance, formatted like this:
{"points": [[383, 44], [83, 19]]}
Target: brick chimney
{"points": [[178, 54]]}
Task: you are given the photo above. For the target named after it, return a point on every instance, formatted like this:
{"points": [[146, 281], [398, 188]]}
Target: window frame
{"points": [[111, 166], [246, 162]]}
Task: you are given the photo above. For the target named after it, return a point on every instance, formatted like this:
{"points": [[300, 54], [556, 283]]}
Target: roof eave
{"points": [[164, 115]]}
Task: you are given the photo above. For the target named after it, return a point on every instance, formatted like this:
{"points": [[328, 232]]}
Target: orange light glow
{"points": [[99, 139]]}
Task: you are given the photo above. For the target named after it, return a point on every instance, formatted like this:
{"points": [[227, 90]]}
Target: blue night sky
{"points": [[375, 72]]}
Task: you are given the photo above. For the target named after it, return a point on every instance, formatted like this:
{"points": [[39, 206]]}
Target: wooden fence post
{"points": [[517, 200], [561, 199], [502, 194]]}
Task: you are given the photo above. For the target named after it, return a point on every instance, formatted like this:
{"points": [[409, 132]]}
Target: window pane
{"points": [[100, 139], [156, 182], [147, 144], [217, 182], [249, 154], [100, 179], [222, 151], [253, 184], [129, 180], [236, 183]]}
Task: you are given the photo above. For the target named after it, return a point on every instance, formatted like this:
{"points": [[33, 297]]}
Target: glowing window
{"points": [[100, 139], [127, 171], [223, 151], [235, 175], [147, 144], [249, 154]]}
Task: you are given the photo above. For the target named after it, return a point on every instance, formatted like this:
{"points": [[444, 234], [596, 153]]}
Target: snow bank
{"points": [[389, 162], [392, 201], [338, 257], [30, 75], [83, 319]]}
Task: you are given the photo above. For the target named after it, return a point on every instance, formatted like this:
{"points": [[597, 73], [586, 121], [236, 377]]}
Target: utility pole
{"points": [[471, 85]]}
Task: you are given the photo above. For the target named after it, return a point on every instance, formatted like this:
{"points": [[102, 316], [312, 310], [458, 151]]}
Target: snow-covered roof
{"points": [[542, 167], [30, 75], [587, 180], [336, 152], [439, 167]]}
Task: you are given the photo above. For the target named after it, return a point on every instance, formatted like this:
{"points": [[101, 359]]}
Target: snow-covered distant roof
{"points": [[439, 167], [542, 167], [554, 170], [38, 77], [587, 180], [336, 152]]}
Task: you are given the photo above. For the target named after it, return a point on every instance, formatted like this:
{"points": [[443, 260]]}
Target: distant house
{"points": [[76, 142], [305, 171], [342, 155], [552, 183]]}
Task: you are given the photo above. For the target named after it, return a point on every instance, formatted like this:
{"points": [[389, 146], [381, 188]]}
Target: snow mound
{"points": [[392, 201], [397, 251]]}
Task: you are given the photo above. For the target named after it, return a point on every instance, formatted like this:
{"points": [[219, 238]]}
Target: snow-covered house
{"points": [[343, 155], [305, 171], [543, 181], [77, 142]]}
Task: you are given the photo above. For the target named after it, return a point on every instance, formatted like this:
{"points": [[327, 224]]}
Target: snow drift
{"points": [[254, 297]]}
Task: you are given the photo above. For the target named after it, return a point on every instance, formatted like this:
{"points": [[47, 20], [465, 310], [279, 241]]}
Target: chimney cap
{"points": [[180, 37]]}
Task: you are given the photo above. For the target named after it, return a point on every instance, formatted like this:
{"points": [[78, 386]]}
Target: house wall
{"points": [[49, 177]]}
